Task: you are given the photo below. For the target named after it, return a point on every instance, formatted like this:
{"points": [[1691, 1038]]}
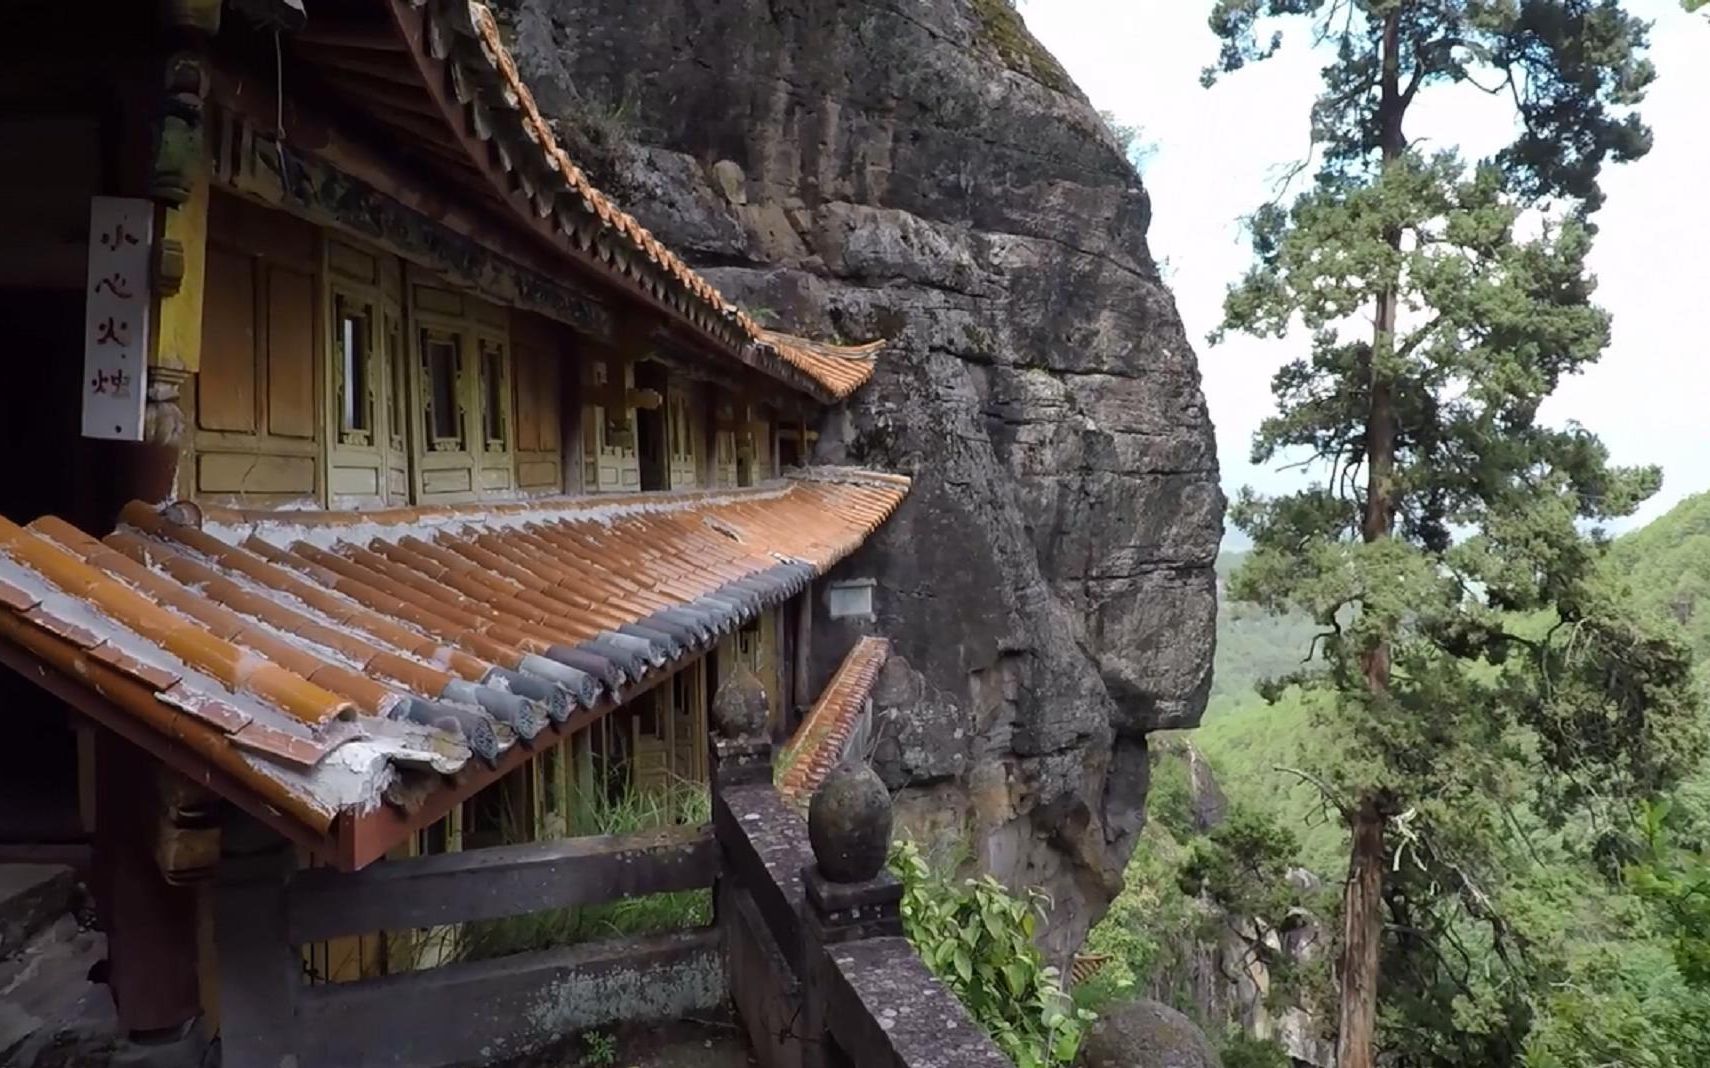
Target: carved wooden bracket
{"points": [[169, 269], [178, 152]]}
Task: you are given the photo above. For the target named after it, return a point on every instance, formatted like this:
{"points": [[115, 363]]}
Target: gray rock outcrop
{"points": [[1146, 1034], [926, 172]]}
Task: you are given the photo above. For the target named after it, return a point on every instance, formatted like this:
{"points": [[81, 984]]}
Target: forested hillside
{"points": [[1618, 952], [1666, 566]]}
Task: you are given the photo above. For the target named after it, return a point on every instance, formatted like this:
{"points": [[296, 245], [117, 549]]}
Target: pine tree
{"points": [[1444, 510]]}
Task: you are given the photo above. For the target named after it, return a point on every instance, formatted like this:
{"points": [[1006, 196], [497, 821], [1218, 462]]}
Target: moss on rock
{"points": [[1002, 28]]}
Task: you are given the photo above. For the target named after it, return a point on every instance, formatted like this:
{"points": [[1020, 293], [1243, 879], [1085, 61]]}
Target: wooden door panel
{"points": [[225, 386], [290, 353]]}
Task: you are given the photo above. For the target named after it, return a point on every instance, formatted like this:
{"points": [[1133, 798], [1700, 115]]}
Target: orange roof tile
{"points": [[818, 744], [310, 655], [490, 86]]}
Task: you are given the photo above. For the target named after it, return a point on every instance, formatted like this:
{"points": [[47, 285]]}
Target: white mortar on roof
{"points": [[282, 533]]}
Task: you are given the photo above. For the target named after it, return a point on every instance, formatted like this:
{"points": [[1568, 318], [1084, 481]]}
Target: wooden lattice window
{"points": [[495, 379], [398, 380], [442, 371], [592, 432], [682, 429], [353, 348], [748, 643]]}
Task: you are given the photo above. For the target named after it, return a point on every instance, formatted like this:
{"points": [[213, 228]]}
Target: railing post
{"points": [[850, 894], [260, 971], [741, 749]]}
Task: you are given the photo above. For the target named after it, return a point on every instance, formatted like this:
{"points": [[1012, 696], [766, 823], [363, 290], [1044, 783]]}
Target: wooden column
{"points": [[570, 417], [803, 651], [150, 925], [178, 182]]}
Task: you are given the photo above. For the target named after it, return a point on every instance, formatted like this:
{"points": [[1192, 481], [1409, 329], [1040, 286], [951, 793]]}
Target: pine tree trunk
{"points": [[1362, 935], [1362, 896]]}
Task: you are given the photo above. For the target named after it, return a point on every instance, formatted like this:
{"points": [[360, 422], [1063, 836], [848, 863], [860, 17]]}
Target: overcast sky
{"points": [[1220, 151]]}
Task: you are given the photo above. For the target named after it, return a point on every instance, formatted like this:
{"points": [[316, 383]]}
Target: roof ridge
{"points": [[857, 476], [534, 509], [807, 758]]}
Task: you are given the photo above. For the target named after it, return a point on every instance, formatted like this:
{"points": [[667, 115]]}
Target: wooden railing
{"points": [[818, 971], [465, 1012]]}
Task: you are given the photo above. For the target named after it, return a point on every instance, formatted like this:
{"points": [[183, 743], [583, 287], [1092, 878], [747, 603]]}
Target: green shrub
{"points": [[1241, 1050], [1146, 933], [977, 938]]}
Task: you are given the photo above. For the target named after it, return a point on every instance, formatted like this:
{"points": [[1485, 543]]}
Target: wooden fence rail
{"points": [[482, 1011], [499, 881], [463, 1012], [818, 971]]}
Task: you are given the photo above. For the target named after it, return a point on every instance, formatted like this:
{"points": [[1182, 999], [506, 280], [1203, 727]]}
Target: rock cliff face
{"points": [[924, 171]]}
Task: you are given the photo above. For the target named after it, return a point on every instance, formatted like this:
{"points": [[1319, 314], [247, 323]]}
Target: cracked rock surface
{"points": [[924, 171]]}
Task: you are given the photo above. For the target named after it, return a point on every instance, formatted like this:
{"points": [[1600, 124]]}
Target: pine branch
{"points": [[1330, 796]]}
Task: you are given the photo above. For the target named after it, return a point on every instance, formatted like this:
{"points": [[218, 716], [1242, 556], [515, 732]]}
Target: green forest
{"points": [[1607, 919], [1461, 737]]}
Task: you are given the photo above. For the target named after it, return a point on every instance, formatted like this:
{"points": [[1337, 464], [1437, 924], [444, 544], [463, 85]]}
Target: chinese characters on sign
{"points": [[115, 318]]}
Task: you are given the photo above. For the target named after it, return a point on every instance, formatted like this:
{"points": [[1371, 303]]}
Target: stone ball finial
{"points": [[740, 708], [849, 824]]}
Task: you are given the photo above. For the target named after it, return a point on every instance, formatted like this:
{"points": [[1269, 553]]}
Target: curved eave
{"points": [[306, 664], [473, 80]]}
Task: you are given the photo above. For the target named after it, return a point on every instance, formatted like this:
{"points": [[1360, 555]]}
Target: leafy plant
{"points": [[598, 1049], [976, 937], [1146, 936], [1679, 883], [1135, 148]]}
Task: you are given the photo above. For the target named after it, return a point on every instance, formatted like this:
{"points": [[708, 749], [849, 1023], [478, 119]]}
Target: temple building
{"points": [[375, 476]]}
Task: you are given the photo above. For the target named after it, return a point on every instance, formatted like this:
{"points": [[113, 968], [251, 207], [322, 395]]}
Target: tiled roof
{"points": [[817, 746], [310, 655], [464, 35]]}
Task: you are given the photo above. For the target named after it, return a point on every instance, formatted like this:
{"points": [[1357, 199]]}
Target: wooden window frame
{"points": [[598, 426], [433, 441], [395, 354], [369, 465], [486, 344], [472, 466], [369, 315]]}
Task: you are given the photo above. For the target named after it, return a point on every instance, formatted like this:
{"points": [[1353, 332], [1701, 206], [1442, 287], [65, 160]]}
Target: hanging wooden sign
{"points": [[116, 317]]}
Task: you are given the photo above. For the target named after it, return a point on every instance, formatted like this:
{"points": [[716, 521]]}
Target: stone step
{"points": [[45, 986], [32, 896]]}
